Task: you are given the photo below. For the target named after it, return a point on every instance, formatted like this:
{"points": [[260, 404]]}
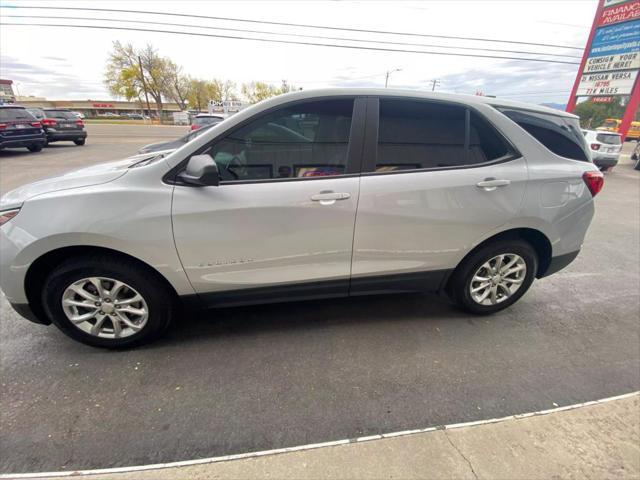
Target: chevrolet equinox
{"points": [[312, 194]]}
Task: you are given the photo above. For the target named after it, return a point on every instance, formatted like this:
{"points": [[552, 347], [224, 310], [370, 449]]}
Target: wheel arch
{"points": [[538, 240], [43, 265]]}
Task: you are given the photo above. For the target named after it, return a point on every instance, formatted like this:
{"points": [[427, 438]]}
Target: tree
{"points": [[258, 91], [178, 84], [592, 115], [130, 70]]}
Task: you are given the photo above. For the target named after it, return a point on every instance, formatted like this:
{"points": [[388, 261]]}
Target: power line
{"points": [[292, 42], [286, 24], [298, 35]]}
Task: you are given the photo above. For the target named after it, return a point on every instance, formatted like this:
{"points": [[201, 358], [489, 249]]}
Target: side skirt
{"points": [[370, 285]]}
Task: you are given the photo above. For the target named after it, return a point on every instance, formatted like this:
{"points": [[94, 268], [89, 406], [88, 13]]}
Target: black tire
{"points": [[36, 147], [637, 166], [46, 142], [79, 141], [458, 287], [158, 297]]}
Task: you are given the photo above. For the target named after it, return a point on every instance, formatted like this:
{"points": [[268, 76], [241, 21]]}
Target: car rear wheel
{"points": [[80, 141], [36, 147], [494, 277], [107, 302]]}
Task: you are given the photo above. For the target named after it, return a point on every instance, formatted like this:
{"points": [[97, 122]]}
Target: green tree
{"points": [[258, 91], [593, 115], [129, 70]]}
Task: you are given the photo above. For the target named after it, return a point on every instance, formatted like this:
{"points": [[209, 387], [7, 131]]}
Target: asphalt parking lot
{"points": [[255, 378]]}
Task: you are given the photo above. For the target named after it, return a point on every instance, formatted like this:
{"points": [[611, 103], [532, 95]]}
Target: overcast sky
{"points": [[68, 63]]}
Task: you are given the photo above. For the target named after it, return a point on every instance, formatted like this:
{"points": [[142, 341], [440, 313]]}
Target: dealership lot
{"points": [[256, 378]]}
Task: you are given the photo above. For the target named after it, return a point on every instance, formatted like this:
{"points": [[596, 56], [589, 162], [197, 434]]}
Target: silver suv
{"points": [[312, 194]]}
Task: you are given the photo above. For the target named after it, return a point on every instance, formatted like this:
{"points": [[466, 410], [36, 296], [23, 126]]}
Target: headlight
{"points": [[7, 215]]}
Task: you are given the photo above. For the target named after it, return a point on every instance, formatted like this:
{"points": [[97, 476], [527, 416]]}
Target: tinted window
{"points": [[414, 135], [485, 144], [206, 120], [561, 135], [304, 140], [608, 139], [36, 112], [8, 114], [63, 114]]}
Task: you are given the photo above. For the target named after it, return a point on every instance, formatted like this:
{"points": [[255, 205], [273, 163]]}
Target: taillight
{"points": [[49, 122], [594, 181], [194, 127], [3, 126], [8, 215], [36, 124], [595, 146], [79, 123]]}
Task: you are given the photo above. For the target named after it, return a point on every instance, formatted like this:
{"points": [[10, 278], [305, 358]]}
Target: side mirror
{"points": [[201, 171]]}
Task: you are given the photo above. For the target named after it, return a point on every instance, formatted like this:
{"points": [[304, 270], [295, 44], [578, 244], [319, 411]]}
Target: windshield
{"points": [[609, 139], [7, 114], [63, 114]]}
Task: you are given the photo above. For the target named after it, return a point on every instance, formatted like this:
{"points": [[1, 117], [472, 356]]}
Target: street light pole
{"points": [[389, 72]]}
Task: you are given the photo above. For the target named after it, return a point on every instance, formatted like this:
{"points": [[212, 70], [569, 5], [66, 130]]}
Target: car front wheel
{"points": [[36, 147], [494, 277], [80, 141], [107, 302]]}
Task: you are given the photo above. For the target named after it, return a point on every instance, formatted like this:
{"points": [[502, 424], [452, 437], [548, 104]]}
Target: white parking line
{"points": [[239, 456]]}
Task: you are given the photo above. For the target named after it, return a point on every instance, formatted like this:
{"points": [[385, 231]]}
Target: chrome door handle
{"points": [[329, 198], [490, 184]]}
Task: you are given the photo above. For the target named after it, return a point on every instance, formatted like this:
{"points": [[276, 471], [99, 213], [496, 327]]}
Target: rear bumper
{"points": [[66, 135], [606, 160], [22, 141]]}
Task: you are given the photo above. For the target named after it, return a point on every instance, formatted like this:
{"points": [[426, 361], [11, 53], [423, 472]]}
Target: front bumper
{"points": [[56, 135]]}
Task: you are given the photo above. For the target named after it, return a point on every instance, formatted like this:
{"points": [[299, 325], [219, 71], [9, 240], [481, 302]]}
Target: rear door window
{"points": [[561, 135], [414, 135]]}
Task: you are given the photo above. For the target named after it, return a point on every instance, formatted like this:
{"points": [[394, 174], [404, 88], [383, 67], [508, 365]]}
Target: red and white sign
{"points": [[620, 13], [608, 83], [103, 105], [602, 99]]}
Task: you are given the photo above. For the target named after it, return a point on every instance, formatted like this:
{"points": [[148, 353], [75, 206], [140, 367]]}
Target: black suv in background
{"points": [[60, 124], [18, 128]]}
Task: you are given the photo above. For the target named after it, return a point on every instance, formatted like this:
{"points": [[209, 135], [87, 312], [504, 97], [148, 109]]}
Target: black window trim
{"points": [[373, 121], [354, 147]]}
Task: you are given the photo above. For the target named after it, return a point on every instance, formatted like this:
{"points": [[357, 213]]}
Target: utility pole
{"points": [[389, 72], [434, 83], [144, 86]]}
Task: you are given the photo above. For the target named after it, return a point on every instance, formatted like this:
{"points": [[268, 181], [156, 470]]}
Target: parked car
{"points": [[80, 115], [378, 191], [605, 148], [636, 155], [19, 128], [135, 116], [60, 125], [174, 144], [205, 119]]}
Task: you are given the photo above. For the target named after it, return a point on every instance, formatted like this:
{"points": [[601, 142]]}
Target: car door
{"points": [[280, 224], [437, 178]]}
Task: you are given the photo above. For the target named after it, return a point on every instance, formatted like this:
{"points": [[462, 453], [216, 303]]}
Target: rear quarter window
{"points": [[561, 135], [62, 114]]}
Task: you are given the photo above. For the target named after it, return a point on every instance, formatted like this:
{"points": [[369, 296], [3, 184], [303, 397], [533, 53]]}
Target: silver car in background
{"points": [[312, 194]]}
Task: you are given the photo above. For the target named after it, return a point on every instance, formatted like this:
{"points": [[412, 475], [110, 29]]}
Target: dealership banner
{"points": [[620, 11], [615, 39]]}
